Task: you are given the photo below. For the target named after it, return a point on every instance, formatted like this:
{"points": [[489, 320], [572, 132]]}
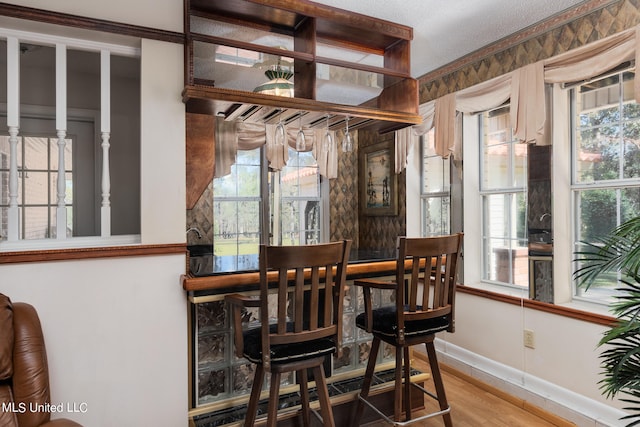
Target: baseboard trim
{"points": [[555, 404]]}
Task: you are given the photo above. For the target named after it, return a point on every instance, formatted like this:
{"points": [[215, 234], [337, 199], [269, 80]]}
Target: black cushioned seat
{"points": [[385, 322], [284, 353]]}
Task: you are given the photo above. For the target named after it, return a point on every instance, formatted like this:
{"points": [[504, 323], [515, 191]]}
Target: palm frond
{"points": [[627, 298], [617, 251], [634, 409]]}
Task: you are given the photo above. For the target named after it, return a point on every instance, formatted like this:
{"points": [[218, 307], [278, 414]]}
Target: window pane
{"points": [[225, 221], [496, 167], [300, 182], [521, 152], [631, 152], [598, 154], [300, 178], [244, 179], [236, 235], [497, 215], [300, 222], [630, 203], [36, 222], [606, 149], [436, 174], [597, 213], [36, 153], [249, 223], [436, 216], [36, 188], [248, 181], [506, 252], [507, 261], [631, 110]]}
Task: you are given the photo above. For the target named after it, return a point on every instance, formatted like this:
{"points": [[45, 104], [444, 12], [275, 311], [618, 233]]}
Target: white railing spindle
{"points": [[13, 123], [105, 128], [61, 127]]}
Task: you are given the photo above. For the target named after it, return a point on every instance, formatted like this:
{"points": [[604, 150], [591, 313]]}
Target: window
{"points": [[295, 193], [436, 190], [606, 163], [503, 178], [96, 126], [237, 215], [289, 199]]}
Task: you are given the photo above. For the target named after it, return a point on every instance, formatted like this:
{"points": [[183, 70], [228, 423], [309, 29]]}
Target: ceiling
{"points": [[446, 31]]}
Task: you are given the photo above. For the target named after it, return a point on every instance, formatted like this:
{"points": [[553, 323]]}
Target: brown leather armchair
{"points": [[24, 375]]}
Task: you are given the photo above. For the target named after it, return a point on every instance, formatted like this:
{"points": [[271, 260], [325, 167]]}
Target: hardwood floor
{"points": [[473, 405]]}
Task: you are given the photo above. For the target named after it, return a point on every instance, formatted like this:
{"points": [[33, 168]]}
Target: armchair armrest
{"points": [[237, 303], [367, 284]]}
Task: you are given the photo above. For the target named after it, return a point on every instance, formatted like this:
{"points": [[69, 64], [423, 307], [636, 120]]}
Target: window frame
{"points": [[267, 205], [90, 43], [512, 191], [425, 196], [601, 296]]}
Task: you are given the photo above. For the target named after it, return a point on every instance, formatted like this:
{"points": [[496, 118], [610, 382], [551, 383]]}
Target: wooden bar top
{"points": [[246, 280]]}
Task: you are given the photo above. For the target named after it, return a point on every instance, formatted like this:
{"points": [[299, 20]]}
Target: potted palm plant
{"points": [[618, 253]]}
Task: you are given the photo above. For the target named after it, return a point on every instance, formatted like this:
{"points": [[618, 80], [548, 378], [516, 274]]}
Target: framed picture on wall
{"points": [[378, 181]]}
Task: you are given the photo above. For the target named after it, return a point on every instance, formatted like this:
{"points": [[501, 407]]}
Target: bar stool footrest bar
{"points": [[409, 422]]}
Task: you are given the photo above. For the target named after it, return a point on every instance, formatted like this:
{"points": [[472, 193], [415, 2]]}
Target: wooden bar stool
{"points": [[309, 285], [413, 319]]}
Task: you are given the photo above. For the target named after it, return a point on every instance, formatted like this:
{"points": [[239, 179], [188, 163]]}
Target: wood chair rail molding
{"points": [[228, 282], [559, 310], [85, 23], [90, 253]]}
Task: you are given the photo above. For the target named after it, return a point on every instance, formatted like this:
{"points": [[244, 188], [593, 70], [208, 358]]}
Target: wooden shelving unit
{"points": [[309, 25]]}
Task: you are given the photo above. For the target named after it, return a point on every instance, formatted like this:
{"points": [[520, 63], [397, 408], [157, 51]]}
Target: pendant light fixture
{"points": [[279, 83]]}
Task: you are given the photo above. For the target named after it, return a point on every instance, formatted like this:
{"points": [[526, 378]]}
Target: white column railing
{"points": [[105, 129], [14, 39], [13, 123], [61, 128]]}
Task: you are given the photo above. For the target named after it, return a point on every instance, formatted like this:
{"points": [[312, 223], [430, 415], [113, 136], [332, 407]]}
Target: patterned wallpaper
{"points": [[381, 232], [591, 21], [343, 195], [201, 217]]}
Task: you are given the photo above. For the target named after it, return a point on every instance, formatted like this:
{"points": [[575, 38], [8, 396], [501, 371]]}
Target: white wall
{"points": [[116, 329], [163, 144], [160, 14], [116, 336]]}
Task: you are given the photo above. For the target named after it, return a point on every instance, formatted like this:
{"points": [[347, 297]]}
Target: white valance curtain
{"points": [[525, 88], [231, 136]]}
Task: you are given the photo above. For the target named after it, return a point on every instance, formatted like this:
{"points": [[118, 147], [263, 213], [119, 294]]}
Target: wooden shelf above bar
{"points": [[286, 15], [227, 102], [312, 28]]}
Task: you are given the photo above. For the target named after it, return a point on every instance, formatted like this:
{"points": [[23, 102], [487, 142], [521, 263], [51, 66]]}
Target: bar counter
{"points": [[220, 382], [362, 263]]}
